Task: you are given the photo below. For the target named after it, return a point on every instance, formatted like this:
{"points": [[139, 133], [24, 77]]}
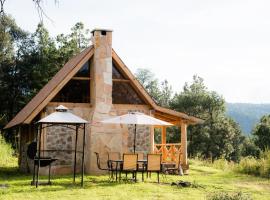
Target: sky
{"points": [[226, 42]]}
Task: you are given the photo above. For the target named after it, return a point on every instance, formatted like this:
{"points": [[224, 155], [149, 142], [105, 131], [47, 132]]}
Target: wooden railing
{"points": [[168, 151]]}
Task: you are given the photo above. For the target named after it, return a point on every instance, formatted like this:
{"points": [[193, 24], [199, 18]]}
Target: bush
{"points": [[265, 164], [253, 166], [229, 196], [222, 163], [249, 165], [6, 154]]}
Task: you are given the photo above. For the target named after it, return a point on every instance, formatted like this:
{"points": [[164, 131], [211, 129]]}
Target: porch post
{"points": [[163, 142], [152, 134], [184, 146]]}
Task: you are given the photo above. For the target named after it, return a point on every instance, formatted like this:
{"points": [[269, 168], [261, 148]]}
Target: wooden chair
{"points": [[113, 165], [113, 156], [154, 164], [140, 155], [129, 165], [141, 166], [176, 169]]}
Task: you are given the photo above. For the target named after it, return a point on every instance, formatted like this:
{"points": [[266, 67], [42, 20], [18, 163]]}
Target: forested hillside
{"points": [[247, 114]]}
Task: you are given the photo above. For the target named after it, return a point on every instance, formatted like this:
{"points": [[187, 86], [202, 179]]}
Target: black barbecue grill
{"points": [[41, 162]]}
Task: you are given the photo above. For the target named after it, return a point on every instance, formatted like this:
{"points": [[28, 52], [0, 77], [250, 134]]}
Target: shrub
{"points": [[265, 164], [222, 163], [258, 167], [249, 165], [6, 154], [228, 196]]}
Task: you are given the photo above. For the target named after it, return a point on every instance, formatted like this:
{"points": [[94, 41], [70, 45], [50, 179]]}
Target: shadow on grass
{"points": [[20, 183]]}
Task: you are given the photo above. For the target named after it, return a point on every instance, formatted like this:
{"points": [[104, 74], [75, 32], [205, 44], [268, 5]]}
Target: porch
{"points": [[170, 151]]}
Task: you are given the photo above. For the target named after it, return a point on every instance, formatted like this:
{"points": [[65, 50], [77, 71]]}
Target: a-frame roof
{"points": [[45, 95]]}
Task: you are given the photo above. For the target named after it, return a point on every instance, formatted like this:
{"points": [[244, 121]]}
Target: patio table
{"points": [[119, 162]]}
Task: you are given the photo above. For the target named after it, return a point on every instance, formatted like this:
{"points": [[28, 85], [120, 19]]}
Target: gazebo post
{"points": [[34, 168], [39, 144], [75, 154], [83, 155]]}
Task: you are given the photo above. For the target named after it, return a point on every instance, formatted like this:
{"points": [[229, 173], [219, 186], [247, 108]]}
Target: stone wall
{"points": [[60, 140], [142, 138]]}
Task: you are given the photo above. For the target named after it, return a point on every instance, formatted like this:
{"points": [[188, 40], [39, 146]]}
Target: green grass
{"points": [[208, 180]]}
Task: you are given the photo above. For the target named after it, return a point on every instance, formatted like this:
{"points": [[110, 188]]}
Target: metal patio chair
{"points": [[108, 168]]}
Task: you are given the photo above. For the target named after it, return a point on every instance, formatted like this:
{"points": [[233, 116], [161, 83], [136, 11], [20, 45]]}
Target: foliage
{"points": [[261, 133], [219, 136], [253, 166], [249, 165], [229, 196], [7, 159], [160, 93], [249, 148], [29, 60]]}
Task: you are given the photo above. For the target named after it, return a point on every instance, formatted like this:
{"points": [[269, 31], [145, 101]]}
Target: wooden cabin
{"points": [[95, 85]]}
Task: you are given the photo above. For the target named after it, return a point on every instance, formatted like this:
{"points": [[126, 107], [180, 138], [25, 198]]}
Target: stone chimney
{"points": [[101, 97]]}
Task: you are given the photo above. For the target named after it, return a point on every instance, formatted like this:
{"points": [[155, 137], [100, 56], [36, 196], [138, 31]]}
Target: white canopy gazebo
{"points": [[62, 117]]}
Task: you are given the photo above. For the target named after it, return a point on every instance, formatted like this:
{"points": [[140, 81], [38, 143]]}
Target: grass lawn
{"points": [[207, 180]]}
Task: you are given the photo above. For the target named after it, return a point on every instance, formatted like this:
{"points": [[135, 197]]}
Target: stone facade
{"points": [[142, 138]]}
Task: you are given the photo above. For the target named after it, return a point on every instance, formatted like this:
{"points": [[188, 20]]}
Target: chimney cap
{"points": [[101, 29]]}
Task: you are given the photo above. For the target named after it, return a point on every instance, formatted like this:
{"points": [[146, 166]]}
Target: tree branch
{"points": [[2, 2], [41, 11]]}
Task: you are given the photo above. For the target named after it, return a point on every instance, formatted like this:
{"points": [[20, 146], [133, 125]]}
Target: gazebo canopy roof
{"points": [[62, 116]]}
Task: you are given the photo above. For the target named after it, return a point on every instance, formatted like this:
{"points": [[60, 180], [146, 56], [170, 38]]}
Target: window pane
{"points": [[123, 93], [116, 74], [75, 91], [84, 71]]}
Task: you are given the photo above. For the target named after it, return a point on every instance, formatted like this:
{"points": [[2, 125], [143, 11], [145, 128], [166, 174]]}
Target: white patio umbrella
{"points": [[135, 118]]}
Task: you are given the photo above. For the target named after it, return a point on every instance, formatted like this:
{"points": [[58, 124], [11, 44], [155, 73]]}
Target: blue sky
{"points": [[225, 42]]}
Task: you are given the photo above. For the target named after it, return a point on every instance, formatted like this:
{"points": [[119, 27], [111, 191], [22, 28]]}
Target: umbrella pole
{"points": [[134, 143]]}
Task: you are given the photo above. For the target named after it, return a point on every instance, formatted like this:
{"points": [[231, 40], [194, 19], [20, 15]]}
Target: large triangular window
{"points": [[77, 90], [122, 90]]}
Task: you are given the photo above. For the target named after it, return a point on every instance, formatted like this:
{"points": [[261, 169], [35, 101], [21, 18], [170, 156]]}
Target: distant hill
{"points": [[247, 114]]}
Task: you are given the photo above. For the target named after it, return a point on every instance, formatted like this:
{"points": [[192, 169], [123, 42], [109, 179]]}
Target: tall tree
{"points": [[219, 135], [261, 133], [160, 93], [149, 82]]}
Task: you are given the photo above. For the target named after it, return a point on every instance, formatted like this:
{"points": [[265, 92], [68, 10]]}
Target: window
{"points": [[84, 71], [122, 90], [116, 74], [123, 93], [77, 90]]}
